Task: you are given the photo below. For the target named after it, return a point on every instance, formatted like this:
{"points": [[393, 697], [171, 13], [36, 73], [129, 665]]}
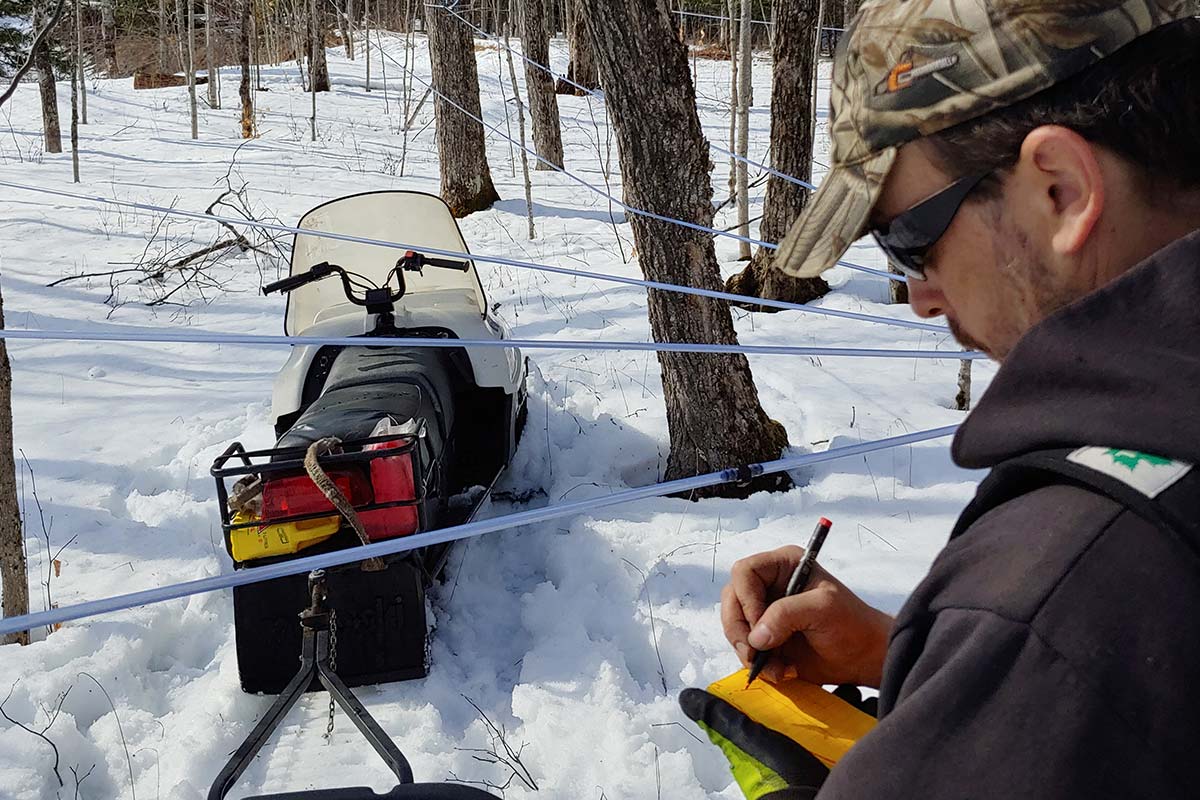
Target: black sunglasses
{"points": [[908, 237]]}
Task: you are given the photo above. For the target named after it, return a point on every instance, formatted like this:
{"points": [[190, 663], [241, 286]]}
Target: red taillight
{"points": [[297, 494], [392, 479]]}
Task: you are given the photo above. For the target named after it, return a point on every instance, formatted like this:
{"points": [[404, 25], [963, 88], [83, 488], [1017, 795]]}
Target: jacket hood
{"points": [[1118, 368]]}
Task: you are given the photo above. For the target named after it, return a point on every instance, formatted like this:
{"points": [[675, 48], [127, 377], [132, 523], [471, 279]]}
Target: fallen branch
{"points": [[41, 735], [192, 266], [500, 753]]}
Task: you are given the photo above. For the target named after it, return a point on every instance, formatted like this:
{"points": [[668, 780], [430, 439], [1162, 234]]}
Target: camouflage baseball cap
{"points": [[909, 68]]}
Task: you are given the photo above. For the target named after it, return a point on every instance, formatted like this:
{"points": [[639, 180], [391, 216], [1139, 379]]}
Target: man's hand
{"points": [[825, 634]]}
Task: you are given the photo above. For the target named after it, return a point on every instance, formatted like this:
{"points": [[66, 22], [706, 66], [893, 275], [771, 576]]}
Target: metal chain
{"points": [[332, 666]]}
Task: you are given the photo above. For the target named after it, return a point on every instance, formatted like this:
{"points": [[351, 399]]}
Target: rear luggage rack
{"points": [[289, 461]]}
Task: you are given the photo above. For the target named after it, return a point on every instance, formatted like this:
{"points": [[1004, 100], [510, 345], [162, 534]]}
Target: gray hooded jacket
{"points": [[1053, 650]]}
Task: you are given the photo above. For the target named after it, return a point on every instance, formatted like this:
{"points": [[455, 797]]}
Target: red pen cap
{"points": [[825, 522]]}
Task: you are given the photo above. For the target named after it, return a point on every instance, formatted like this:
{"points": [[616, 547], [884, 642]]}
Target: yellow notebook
{"points": [[821, 723]]}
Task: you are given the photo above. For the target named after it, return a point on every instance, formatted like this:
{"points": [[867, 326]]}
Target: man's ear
{"points": [[1068, 185]]}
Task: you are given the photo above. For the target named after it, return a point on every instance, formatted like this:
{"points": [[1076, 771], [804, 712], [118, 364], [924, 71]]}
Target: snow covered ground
{"points": [[575, 636]]}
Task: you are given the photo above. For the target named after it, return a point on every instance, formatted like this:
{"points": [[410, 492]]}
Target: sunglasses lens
{"points": [[902, 258], [911, 234]]}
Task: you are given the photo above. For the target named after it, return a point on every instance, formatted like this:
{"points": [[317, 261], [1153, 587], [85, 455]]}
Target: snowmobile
{"points": [[373, 441]]}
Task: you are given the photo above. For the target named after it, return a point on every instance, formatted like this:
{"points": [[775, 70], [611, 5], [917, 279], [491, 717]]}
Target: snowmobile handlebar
{"points": [[413, 262], [315, 273], [378, 299]]}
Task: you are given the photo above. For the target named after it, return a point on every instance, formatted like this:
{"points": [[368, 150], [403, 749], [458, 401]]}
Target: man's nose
{"points": [[926, 298]]}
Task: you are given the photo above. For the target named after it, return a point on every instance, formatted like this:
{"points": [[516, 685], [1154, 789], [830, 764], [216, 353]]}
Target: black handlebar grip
{"points": [[287, 284], [315, 273], [447, 263]]}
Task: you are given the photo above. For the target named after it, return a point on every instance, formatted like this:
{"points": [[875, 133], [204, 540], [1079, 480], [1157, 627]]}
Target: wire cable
{"points": [[502, 260], [768, 23], [607, 195], [244, 577], [600, 96], [218, 337]]}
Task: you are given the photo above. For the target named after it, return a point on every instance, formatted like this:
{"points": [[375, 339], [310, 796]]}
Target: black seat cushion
{"points": [[433, 369], [366, 384], [352, 413]]}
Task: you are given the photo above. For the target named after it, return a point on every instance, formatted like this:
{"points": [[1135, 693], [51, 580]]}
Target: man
{"points": [[1034, 168]]}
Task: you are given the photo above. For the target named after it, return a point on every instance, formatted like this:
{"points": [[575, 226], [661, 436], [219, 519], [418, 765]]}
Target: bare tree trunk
{"points": [[512, 75], [713, 412], [210, 67], [367, 39], [80, 73], [543, 103], [244, 57], [108, 37], [792, 113], [162, 35], [745, 100], [405, 80], [76, 87], [512, 147], [13, 575], [582, 67], [45, 70], [962, 400], [191, 66], [348, 29], [897, 290], [733, 96], [318, 68], [462, 154], [180, 33], [315, 46]]}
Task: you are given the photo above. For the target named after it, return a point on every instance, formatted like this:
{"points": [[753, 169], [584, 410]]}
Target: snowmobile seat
{"points": [[407, 791], [367, 383]]}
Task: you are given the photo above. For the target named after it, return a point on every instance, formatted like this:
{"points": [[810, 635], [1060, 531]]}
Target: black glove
{"points": [[766, 764]]}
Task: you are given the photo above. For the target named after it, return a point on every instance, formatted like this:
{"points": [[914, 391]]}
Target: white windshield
{"points": [[412, 218]]}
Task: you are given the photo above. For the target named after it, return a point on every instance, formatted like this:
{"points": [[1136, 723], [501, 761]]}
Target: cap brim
{"points": [[835, 217]]}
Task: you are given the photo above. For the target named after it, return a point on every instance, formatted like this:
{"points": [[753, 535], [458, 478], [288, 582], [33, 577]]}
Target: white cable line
{"points": [[713, 16], [768, 23], [296, 566], [599, 276], [596, 189], [600, 96], [220, 337]]}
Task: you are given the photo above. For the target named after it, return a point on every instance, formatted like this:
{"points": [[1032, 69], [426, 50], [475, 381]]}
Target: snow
{"points": [[574, 637]]}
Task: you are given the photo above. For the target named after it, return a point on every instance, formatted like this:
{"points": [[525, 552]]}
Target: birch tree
{"points": [[745, 100], [162, 35], [733, 95], [210, 66], [191, 63], [81, 98], [108, 36]]}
